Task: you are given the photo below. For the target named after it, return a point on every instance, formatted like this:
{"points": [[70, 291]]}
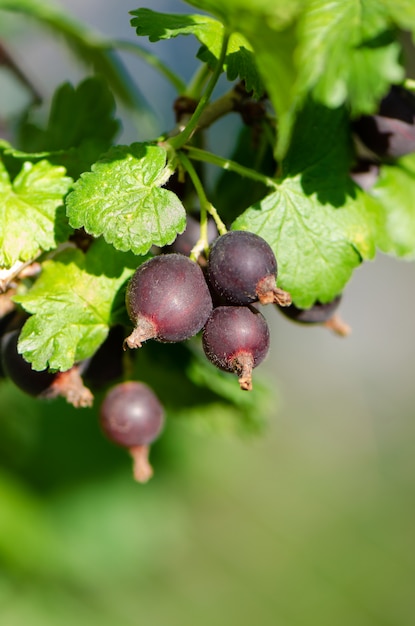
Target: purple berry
{"points": [[320, 313], [167, 299], [19, 371], [317, 314], [42, 384], [132, 416], [391, 131], [242, 268], [236, 339], [184, 243]]}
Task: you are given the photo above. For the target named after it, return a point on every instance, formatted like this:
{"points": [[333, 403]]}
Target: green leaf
{"points": [[235, 12], [121, 199], [317, 246], [347, 52], [233, 193], [32, 217], [402, 13], [395, 192], [239, 61], [342, 51], [79, 116], [270, 28], [318, 223], [80, 128], [72, 305], [157, 26], [321, 151]]}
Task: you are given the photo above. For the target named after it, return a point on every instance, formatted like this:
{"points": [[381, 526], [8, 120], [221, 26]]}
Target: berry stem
{"points": [[205, 208], [150, 58], [338, 326], [144, 330], [269, 293], [142, 470], [69, 385], [180, 140], [244, 364], [197, 82], [197, 154]]}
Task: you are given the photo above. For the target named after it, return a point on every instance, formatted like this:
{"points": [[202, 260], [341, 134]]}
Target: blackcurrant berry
{"points": [[319, 313], [167, 299], [19, 370], [107, 364], [42, 384], [242, 268], [391, 132], [132, 416], [236, 339], [184, 243]]}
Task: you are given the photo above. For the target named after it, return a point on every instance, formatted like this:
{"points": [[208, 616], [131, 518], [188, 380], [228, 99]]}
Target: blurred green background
{"points": [[311, 523]]}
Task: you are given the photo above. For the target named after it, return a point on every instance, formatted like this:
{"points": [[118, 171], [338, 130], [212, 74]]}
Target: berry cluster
{"points": [[171, 298]]}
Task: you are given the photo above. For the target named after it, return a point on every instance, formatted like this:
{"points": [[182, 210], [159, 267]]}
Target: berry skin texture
{"points": [[236, 339], [167, 299], [242, 268], [132, 416]]}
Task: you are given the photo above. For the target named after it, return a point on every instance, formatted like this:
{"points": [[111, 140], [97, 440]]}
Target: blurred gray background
{"points": [[312, 523]]}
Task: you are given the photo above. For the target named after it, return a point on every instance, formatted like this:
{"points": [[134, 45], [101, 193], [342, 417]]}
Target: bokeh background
{"points": [[311, 523]]}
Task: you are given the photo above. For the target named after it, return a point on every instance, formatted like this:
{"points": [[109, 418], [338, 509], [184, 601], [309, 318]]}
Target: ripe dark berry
{"points": [[236, 339], [167, 299], [132, 416], [107, 364], [43, 384], [391, 132], [19, 370], [184, 243], [242, 268], [319, 313]]}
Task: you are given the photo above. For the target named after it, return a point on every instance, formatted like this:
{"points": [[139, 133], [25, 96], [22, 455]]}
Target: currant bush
{"points": [[80, 212]]}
